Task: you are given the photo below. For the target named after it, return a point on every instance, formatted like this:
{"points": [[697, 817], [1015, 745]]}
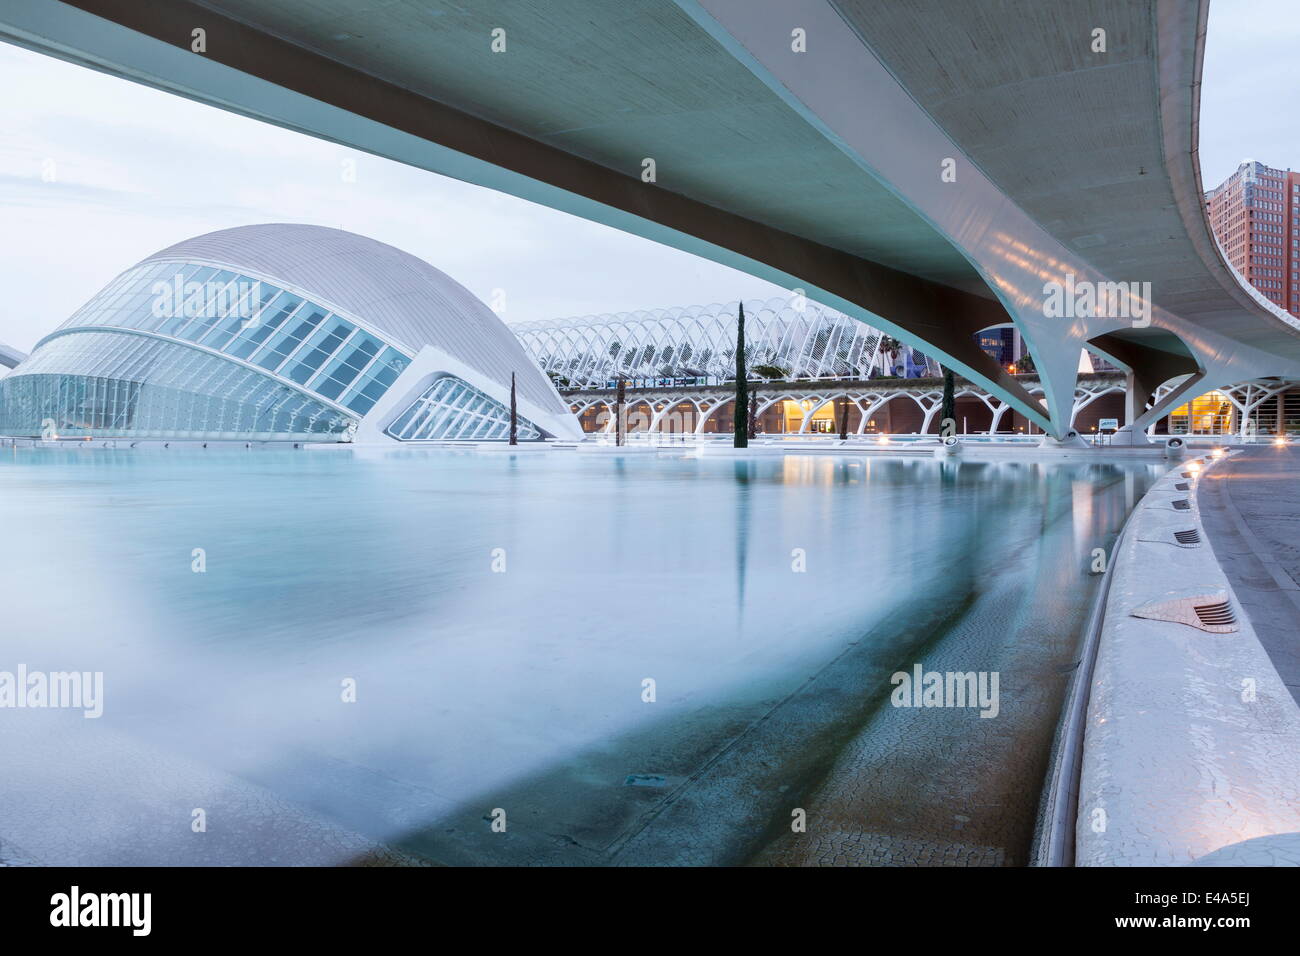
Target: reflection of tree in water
{"points": [[744, 473]]}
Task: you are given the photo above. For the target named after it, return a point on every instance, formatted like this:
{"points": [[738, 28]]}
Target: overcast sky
{"points": [[135, 170]]}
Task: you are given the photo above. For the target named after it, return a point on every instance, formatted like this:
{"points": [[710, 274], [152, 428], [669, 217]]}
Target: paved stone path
{"points": [[1250, 507]]}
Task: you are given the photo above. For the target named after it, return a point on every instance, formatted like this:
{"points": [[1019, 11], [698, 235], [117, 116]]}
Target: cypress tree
{"points": [[741, 430], [620, 396], [514, 413], [949, 410]]}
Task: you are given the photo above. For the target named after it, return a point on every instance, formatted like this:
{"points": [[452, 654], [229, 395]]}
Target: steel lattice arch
{"points": [[792, 339]]}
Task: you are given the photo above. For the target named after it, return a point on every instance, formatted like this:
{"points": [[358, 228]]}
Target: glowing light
{"points": [[882, 440], [1279, 441], [1216, 453]]}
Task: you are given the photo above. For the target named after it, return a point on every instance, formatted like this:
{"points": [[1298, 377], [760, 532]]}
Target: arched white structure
{"points": [[1245, 406], [279, 332], [800, 338]]}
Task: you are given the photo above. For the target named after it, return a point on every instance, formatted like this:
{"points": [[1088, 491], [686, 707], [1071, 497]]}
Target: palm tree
{"points": [[620, 396], [889, 348], [771, 371]]}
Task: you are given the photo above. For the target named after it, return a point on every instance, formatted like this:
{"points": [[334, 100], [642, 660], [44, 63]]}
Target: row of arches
{"points": [[870, 411], [1244, 409]]}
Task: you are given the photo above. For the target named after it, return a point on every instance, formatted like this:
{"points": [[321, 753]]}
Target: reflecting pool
{"points": [[355, 656]]}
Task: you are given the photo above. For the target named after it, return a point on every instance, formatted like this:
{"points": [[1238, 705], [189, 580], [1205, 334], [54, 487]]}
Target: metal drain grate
{"points": [[1181, 504], [1190, 538], [1215, 615], [1204, 610], [1182, 486]]}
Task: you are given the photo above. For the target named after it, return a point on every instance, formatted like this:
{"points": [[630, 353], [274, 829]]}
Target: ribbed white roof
{"points": [[398, 295]]}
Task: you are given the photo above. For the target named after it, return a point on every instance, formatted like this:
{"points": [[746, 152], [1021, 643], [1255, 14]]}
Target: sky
{"points": [[1249, 87], [136, 169], [97, 172]]}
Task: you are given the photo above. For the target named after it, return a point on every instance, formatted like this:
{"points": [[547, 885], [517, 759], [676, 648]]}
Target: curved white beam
{"points": [[844, 91], [10, 357]]}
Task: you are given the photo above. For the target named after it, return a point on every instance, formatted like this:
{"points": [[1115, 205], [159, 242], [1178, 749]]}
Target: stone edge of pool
{"points": [[1192, 741]]}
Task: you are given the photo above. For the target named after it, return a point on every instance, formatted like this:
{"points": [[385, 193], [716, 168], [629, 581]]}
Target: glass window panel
{"points": [[246, 299], [450, 410], [322, 344], [287, 340], [347, 365], [360, 404], [273, 316], [121, 385]]}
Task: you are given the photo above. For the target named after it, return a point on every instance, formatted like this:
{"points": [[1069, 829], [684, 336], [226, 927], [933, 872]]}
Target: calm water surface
{"points": [[500, 615]]}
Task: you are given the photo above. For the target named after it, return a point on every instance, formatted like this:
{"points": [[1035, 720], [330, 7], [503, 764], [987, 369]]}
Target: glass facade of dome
{"points": [[222, 337]]}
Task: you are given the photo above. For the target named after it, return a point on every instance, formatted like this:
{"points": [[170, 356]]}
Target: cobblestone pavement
{"points": [[1250, 507]]}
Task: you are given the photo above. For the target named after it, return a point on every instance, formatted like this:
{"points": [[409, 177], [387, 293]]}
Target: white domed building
{"points": [[282, 332]]}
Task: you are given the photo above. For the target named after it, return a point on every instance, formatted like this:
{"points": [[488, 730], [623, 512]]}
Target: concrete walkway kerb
{"points": [[1192, 741]]}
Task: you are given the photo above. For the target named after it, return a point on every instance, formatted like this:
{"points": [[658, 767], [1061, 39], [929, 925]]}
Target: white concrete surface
{"points": [[1192, 742], [1280, 850]]}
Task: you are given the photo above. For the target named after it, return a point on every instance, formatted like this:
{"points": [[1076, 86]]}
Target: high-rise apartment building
{"points": [[1255, 214]]}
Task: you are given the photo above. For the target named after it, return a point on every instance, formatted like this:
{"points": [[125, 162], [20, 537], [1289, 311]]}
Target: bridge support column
{"points": [[1135, 399], [1136, 396]]}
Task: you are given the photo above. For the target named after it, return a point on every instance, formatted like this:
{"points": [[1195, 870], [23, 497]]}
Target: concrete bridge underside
{"points": [[1014, 153]]}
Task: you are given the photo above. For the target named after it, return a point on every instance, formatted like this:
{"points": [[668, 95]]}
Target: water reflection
{"points": [[481, 685], [744, 471]]}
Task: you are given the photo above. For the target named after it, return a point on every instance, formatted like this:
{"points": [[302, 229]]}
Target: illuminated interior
{"points": [[1210, 414]]}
